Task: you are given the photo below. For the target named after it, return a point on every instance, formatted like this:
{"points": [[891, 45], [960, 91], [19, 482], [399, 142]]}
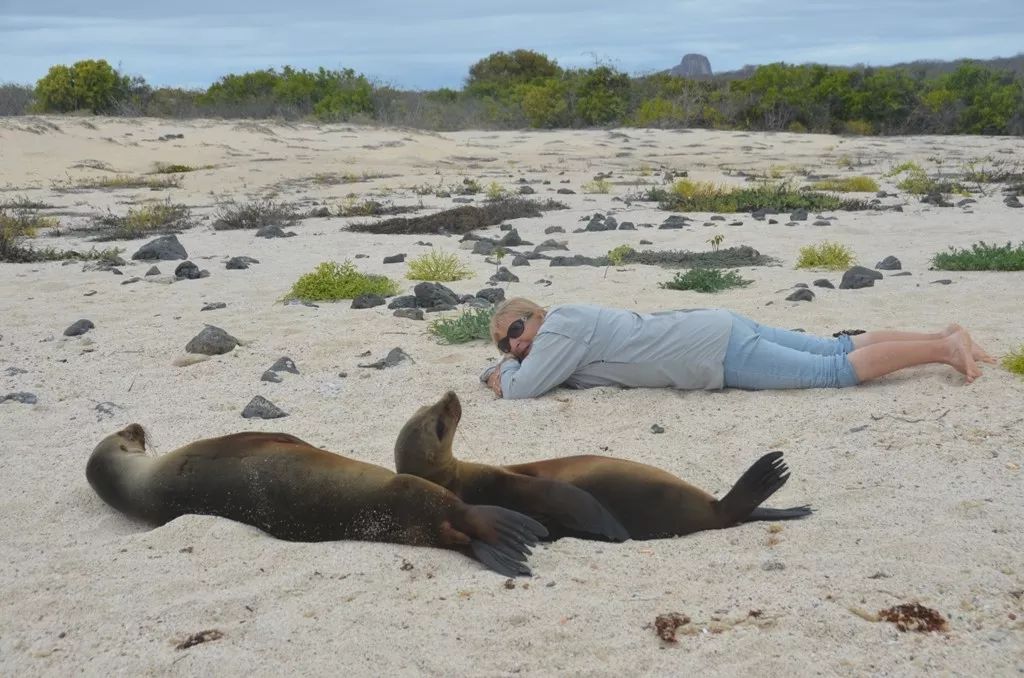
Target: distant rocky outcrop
{"points": [[692, 66]]}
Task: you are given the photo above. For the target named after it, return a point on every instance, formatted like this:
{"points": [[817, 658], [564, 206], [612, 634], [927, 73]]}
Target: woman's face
{"points": [[520, 346]]}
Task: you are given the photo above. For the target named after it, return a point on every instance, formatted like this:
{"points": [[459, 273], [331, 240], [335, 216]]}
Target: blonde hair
{"points": [[512, 309]]}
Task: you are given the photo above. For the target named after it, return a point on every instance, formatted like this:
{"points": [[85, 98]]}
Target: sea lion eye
{"points": [[440, 429]]}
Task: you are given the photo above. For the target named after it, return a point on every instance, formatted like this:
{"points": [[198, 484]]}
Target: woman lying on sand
{"points": [[583, 345]]}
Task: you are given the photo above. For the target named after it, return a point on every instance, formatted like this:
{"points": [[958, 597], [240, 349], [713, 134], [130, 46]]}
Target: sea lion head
{"points": [[425, 442], [132, 438]]}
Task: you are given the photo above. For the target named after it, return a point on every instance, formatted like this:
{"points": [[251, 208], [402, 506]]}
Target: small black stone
{"points": [[395, 259], [79, 327], [261, 408]]}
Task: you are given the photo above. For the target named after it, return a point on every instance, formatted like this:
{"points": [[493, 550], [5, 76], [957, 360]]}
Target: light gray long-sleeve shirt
{"points": [[583, 345]]}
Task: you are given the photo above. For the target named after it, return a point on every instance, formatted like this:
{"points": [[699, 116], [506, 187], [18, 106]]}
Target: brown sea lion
{"points": [[647, 502], [298, 492]]}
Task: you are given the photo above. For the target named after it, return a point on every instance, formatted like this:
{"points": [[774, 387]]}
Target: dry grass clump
{"points": [[351, 206], [118, 181], [847, 185], [597, 186], [253, 215]]}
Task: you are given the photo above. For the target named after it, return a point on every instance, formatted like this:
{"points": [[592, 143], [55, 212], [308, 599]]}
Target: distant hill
{"points": [[927, 68], [692, 66]]}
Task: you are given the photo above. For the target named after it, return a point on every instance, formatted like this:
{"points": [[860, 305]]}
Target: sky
{"points": [[419, 44]]}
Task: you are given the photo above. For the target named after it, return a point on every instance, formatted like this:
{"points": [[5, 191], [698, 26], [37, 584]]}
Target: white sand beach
{"points": [[916, 479]]}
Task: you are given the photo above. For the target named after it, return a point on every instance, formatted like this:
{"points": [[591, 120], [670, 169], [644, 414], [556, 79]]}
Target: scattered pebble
{"points": [[261, 408]]}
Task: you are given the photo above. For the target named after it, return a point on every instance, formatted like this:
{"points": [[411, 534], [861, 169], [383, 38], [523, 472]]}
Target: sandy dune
{"points": [[916, 479]]}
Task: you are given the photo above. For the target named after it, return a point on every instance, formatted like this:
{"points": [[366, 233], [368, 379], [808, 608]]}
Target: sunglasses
{"points": [[515, 330]]}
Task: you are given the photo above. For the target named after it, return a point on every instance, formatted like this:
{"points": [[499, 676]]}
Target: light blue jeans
{"points": [[761, 357]]}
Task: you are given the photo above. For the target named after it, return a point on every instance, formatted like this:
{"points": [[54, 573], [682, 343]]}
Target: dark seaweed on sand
{"points": [[732, 257], [461, 219]]}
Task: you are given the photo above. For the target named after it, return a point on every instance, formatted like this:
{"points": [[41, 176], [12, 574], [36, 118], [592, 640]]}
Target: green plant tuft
{"points": [[702, 196], [828, 255], [597, 186], [158, 218], [706, 280], [154, 183], [981, 257], [331, 281], [1014, 360], [438, 266], [495, 191], [472, 324], [255, 214], [847, 185]]}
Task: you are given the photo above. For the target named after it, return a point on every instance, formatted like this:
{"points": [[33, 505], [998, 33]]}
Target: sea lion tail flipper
{"points": [[564, 504], [761, 481], [762, 513], [501, 539]]}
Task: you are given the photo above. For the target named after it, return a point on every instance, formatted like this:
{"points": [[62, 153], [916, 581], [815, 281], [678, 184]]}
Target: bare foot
{"points": [[960, 356], [977, 352]]}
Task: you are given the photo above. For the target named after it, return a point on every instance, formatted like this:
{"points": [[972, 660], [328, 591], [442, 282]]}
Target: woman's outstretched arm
{"points": [[552, 360]]}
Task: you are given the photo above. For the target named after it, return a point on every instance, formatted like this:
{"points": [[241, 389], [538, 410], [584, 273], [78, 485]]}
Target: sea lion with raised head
{"points": [[295, 491], [647, 502]]}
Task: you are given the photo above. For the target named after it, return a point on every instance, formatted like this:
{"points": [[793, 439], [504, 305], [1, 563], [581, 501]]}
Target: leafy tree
{"points": [[545, 104], [497, 74], [602, 94], [91, 84]]}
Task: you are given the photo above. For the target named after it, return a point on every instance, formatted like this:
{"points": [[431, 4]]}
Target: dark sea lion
{"points": [[648, 502], [298, 492]]}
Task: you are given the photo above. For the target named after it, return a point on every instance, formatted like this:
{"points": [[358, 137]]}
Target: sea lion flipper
{"points": [[509, 536], [762, 513], [563, 504], [759, 482]]}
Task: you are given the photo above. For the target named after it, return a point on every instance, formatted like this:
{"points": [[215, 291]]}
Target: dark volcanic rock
{"points": [[211, 341], [824, 282], [674, 221], [240, 263], [492, 294], [504, 275], [431, 294], [549, 245], [520, 260], [394, 356], [186, 270], [213, 306], [484, 247], [78, 328], [574, 260], [890, 263], [404, 301], [273, 232], [284, 364], [798, 215], [553, 229], [858, 277], [271, 376], [395, 259], [261, 408], [153, 270], [802, 294], [410, 313], [164, 248], [368, 301], [23, 397]]}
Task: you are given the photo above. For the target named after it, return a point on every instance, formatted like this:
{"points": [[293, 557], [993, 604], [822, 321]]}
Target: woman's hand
{"points": [[494, 381]]}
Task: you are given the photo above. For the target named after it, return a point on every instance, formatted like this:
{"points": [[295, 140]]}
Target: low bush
{"points": [[828, 255], [847, 185], [438, 266], [331, 281], [156, 219], [495, 191], [24, 222], [255, 214], [597, 186], [981, 257], [351, 206], [701, 196], [472, 324], [706, 280], [462, 219]]}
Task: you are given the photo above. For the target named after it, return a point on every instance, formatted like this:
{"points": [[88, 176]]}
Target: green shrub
{"points": [[174, 168], [1014, 360], [24, 223], [255, 214], [439, 267], [495, 191], [597, 186], [91, 85], [701, 196], [706, 280], [472, 324], [158, 218], [331, 281], [981, 257], [828, 255], [847, 185]]}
